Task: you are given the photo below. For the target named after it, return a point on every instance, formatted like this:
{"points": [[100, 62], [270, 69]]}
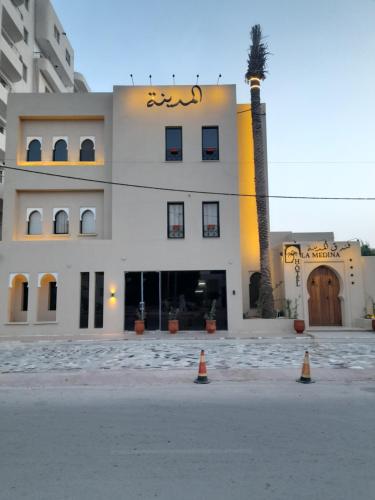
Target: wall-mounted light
{"points": [[113, 295]]}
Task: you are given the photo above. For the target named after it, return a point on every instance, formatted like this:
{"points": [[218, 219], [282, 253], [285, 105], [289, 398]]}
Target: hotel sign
{"points": [[293, 253], [170, 102]]}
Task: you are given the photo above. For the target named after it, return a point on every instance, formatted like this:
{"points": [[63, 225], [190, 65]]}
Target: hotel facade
{"points": [[85, 247], [124, 201]]}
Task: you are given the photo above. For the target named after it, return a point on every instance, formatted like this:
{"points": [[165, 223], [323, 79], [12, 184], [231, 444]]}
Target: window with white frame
{"points": [[87, 151], [87, 222], [176, 222], [61, 221], [60, 150], [34, 149], [34, 221], [210, 216]]}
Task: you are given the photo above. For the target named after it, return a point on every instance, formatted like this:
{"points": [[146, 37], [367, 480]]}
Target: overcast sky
{"points": [[320, 91]]}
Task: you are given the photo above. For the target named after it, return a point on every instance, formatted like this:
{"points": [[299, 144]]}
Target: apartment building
{"points": [[137, 218], [35, 54]]}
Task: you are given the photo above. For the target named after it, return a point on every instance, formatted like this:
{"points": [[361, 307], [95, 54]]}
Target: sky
{"points": [[319, 91]]}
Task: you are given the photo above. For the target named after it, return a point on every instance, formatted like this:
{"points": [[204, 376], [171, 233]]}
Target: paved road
{"points": [[221, 354], [226, 441]]}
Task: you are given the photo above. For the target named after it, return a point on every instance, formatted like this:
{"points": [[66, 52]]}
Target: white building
{"points": [[35, 54], [80, 256]]}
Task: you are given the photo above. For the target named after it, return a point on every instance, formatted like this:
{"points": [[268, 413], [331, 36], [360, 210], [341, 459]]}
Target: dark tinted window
{"points": [[52, 296], [34, 153], [25, 296], [84, 307], [87, 152], [173, 143], [210, 143], [99, 300], [60, 153], [176, 222]]}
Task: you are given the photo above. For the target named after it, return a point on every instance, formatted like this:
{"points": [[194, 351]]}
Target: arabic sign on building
{"points": [[295, 252], [170, 102]]}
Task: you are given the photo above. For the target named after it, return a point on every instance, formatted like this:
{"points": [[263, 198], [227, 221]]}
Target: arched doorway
{"points": [[324, 303]]}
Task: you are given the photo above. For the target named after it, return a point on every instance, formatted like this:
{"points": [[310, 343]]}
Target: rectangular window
{"points": [[210, 143], [52, 297], [24, 72], [176, 220], [84, 307], [210, 217], [25, 35], [99, 300], [27, 4], [67, 57], [25, 296], [56, 33], [173, 143]]}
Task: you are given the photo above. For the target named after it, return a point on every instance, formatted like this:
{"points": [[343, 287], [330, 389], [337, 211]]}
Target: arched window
{"points": [[34, 225], [60, 153], [34, 152], [87, 152], [88, 222], [61, 223]]}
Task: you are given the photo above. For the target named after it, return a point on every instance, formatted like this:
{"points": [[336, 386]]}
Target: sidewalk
{"points": [[326, 334]]}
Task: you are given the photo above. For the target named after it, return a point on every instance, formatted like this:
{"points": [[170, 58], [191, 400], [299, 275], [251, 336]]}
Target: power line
{"points": [[189, 191]]}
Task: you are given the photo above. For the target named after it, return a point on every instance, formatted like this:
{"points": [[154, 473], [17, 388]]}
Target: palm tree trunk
{"points": [[266, 303]]}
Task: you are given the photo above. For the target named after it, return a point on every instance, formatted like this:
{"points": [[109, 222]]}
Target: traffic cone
{"points": [[202, 372], [305, 375]]}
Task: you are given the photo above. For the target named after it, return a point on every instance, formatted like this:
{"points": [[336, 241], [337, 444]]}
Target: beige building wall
{"points": [[132, 221]]}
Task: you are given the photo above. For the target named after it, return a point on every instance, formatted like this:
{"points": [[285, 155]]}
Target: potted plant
{"points": [[139, 323], [173, 325], [292, 312], [210, 318]]}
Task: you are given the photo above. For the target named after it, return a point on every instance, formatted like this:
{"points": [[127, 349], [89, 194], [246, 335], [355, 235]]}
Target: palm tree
{"points": [[256, 71]]}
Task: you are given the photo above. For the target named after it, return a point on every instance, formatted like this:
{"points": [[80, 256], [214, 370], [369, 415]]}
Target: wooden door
{"points": [[324, 304]]}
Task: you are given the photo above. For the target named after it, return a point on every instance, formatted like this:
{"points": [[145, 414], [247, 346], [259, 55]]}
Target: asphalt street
{"points": [[224, 441]]}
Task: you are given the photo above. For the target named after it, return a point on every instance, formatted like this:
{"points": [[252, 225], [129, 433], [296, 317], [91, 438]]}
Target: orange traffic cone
{"points": [[305, 375], [202, 372]]}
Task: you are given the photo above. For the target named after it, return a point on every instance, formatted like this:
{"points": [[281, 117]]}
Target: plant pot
{"points": [[299, 325], [139, 326], [373, 324], [173, 325], [210, 325]]}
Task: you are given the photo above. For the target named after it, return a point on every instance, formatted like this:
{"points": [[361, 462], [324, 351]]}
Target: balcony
{"points": [[2, 146], [55, 50], [48, 71], [3, 100], [12, 21], [80, 84], [10, 63]]}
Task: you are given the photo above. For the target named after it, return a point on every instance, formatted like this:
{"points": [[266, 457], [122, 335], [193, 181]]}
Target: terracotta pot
{"points": [[139, 326], [373, 324], [210, 325], [173, 325], [299, 325]]}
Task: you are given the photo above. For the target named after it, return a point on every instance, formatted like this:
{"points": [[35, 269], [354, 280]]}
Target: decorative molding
{"points": [[29, 211], [41, 275], [13, 275], [83, 209], [30, 139], [56, 210]]}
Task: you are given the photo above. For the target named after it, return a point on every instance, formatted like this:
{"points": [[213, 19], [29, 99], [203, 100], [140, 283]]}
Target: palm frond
{"points": [[258, 52]]}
